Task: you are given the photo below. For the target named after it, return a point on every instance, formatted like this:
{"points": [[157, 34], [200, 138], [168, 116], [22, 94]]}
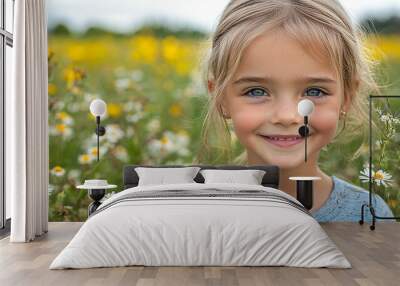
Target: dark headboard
{"points": [[270, 179]]}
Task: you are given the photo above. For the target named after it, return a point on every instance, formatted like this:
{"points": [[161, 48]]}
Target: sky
{"points": [[126, 15]]}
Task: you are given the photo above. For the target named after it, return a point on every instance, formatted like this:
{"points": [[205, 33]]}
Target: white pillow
{"points": [[162, 176], [249, 177]]}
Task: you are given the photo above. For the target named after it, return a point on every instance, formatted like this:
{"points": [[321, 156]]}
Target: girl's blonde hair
{"points": [[314, 23]]}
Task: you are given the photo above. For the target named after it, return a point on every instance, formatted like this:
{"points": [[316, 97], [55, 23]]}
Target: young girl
{"points": [[266, 56]]}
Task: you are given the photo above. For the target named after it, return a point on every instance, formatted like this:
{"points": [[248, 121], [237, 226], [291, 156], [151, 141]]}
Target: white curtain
{"points": [[27, 124]]}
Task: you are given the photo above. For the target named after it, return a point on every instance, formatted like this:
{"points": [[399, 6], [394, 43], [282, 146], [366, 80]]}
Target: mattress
{"points": [[201, 225]]}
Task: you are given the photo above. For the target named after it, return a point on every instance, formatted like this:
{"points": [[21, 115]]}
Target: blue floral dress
{"points": [[345, 201]]}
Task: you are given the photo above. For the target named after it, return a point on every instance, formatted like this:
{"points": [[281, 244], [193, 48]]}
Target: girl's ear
{"points": [[346, 102], [210, 86], [225, 112]]}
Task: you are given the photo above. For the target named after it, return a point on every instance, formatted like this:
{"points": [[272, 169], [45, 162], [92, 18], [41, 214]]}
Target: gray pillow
{"points": [[249, 177], [162, 176]]}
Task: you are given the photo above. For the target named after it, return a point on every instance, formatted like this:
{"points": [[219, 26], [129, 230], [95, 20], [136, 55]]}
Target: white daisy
{"points": [[61, 130], [57, 171], [114, 133], [64, 118], [85, 159], [74, 175], [59, 105], [137, 75], [74, 107], [133, 106], [89, 97], [122, 84], [120, 153], [91, 141], [181, 143], [389, 118], [170, 143], [153, 126], [196, 86], [380, 177], [385, 118], [154, 147], [133, 118], [93, 150], [364, 174]]}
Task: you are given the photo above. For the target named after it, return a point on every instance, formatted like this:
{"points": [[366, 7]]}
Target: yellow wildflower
{"points": [[73, 75], [77, 52], [64, 117], [170, 49], [52, 89], [183, 68], [164, 140], [69, 76], [92, 51], [175, 110], [383, 47], [60, 128], [145, 49], [390, 45], [75, 90], [93, 151], [114, 110]]}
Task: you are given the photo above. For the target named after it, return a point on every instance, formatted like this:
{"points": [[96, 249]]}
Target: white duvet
{"points": [[183, 231]]}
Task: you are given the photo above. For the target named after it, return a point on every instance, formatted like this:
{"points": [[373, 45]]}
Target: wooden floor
{"points": [[374, 255]]}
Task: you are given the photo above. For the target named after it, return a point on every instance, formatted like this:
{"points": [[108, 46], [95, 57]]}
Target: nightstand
{"points": [[96, 191]]}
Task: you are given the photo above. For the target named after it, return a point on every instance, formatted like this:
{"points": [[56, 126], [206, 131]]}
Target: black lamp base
{"points": [[96, 195], [304, 190]]}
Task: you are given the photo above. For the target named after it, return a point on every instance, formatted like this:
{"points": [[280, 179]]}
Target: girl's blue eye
{"points": [[315, 92], [255, 92]]}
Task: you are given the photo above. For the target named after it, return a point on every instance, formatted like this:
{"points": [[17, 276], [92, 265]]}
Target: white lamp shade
{"points": [[98, 107], [305, 107]]}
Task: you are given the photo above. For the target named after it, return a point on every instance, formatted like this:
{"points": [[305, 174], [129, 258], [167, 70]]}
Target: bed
{"points": [[201, 223]]}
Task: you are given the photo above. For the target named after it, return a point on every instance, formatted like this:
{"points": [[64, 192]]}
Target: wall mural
{"points": [[152, 81]]}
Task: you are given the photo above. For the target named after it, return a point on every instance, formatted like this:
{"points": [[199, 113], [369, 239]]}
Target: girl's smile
{"points": [[283, 141]]}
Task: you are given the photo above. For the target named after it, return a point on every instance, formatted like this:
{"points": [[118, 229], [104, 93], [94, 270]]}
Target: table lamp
{"points": [[98, 108], [304, 185], [305, 108]]}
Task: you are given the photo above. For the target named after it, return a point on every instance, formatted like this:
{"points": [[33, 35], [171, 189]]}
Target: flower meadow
{"points": [[156, 102]]}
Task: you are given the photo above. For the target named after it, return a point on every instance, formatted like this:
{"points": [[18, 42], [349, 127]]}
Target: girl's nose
{"points": [[285, 112]]}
